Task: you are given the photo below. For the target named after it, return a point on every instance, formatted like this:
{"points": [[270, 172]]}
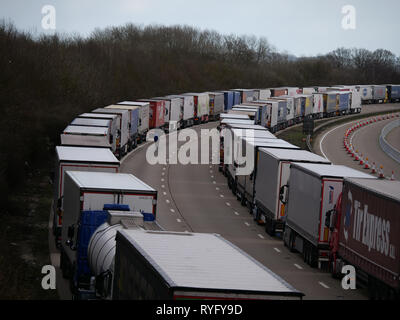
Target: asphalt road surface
{"points": [[393, 138], [365, 140]]}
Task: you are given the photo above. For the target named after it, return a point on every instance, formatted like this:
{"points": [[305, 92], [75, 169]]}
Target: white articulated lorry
{"points": [[273, 172], [77, 159], [154, 265], [312, 194]]}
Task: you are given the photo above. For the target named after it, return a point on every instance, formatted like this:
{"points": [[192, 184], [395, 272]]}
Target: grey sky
{"points": [[306, 27]]}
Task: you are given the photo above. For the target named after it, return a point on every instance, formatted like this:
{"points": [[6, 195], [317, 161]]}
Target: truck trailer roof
{"points": [[294, 155], [84, 141], [109, 181], [82, 154], [335, 171], [99, 131], [200, 261], [386, 188]]}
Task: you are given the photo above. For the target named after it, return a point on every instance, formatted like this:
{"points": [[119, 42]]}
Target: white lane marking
{"points": [[237, 213], [179, 220], [228, 204], [164, 193], [277, 250], [167, 201], [247, 224], [324, 136], [261, 236], [298, 266], [216, 188], [172, 210], [214, 182], [212, 177], [163, 173], [323, 284], [221, 195], [162, 179], [162, 186], [210, 167]]}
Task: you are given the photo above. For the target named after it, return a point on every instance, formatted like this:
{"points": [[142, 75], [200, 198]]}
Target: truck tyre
{"points": [[243, 201], [63, 265], [291, 242]]}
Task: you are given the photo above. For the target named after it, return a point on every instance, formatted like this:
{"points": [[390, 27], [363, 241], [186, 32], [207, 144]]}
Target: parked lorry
{"points": [[313, 191], [330, 103], [364, 226], [76, 159], [253, 112], [216, 104], [262, 94], [273, 172], [355, 101], [276, 92], [318, 106], [123, 131], [378, 93], [175, 111], [157, 112], [393, 93], [262, 111], [228, 100], [140, 117], [271, 115], [86, 193], [246, 95], [188, 109], [201, 107], [290, 108], [223, 116], [366, 93], [344, 103], [159, 265]]}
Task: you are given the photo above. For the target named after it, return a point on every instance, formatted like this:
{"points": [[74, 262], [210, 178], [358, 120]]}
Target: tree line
{"points": [[46, 80]]}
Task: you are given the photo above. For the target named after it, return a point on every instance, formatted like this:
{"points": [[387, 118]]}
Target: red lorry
{"points": [[365, 227]]}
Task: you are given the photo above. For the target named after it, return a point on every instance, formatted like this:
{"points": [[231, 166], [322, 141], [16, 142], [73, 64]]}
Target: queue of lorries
{"points": [[105, 221]]}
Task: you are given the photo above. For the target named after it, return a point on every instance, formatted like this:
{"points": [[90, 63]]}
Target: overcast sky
{"points": [[300, 27]]}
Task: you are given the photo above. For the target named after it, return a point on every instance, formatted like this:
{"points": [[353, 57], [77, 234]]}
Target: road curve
{"points": [[365, 140]]}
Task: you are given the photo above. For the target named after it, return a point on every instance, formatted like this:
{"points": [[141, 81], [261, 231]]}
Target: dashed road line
{"points": [[247, 224], [261, 236], [172, 210], [298, 266], [323, 284], [228, 204], [277, 250]]}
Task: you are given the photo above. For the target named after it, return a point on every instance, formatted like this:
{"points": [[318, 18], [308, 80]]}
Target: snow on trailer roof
{"points": [[109, 181], [97, 116], [337, 171], [82, 154], [294, 155], [386, 188], [84, 141], [91, 122], [205, 261], [98, 131]]}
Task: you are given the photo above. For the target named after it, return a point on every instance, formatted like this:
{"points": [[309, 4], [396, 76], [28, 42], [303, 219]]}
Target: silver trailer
{"points": [[143, 119], [188, 109], [271, 115], [223, 116], [355, 102], [157, 265], [312, 194], [262, 94], [72, 140], [366, 93], [378, 93], [175, 119], [273, 172], [77, 159], [216, 103], [123, 128], [91, 191]]}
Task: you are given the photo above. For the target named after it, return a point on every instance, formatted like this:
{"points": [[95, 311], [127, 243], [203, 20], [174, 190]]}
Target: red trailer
{"points": [[156, 113], [366, 234]]}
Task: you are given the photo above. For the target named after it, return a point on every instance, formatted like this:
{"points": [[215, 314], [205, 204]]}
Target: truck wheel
{"points": [[243, 201], [313, 257], [64, 265], [291, 242]]}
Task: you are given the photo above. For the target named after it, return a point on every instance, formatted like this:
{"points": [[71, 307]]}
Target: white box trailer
{"points": [[188, 109], [123, 128], [144, 115], [379, 93], [223, 116], [262, 94], [366, 93], [355, 101], [175, 120], [201, 106], [72, 140], [273, 172], [245, 183], [90, 191], [77, 159], [271, 115], [183, 265], [309, 90], [216, 103], [312, 193], [262, 111], [318, 106]]}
